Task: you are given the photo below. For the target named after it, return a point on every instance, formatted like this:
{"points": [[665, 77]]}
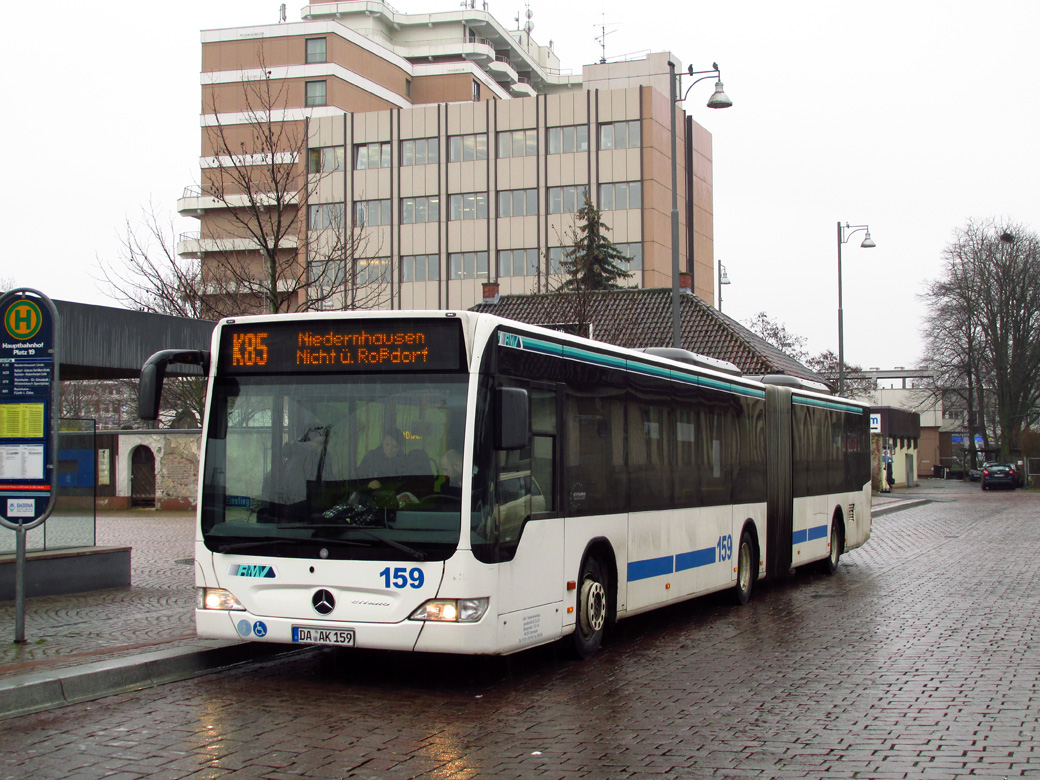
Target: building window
{"points": [[566, 200], [421, 151], [407, 88], [620, 135], [469, 205], [373, 270], [557, 254], [415, 210], [316, 50], [468, 265], [420, 268], [476, 90], [620, 195], [634, 253], [467, 147], [518, 143], [323, 216], [563, 140], [375, 155], [370, 213], [518, 262], [315, 91], [327, 274], [518, 203], [325, 159]]}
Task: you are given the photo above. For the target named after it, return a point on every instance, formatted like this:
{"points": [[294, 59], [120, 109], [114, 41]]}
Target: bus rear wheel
{"points": [[592, 608], [745, 569], [830, 563]]}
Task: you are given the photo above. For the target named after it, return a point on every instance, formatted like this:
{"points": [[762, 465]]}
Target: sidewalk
{"points": [[87, 645]]}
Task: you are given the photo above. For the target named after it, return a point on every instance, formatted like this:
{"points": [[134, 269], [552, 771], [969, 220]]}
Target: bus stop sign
{"points": [[28, 408]]}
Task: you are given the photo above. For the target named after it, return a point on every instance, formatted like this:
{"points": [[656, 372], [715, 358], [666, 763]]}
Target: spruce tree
{"points": [[593, 262]]}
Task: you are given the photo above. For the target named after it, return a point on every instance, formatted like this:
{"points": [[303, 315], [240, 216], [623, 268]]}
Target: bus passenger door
{"points": [[531, 583]]}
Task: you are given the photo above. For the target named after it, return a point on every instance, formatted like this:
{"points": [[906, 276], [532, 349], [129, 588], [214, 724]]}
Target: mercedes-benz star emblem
{"points": [[323, 602]]}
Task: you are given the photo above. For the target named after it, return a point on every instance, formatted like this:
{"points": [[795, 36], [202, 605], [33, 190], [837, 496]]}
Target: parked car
{"points": [[999, 474]]}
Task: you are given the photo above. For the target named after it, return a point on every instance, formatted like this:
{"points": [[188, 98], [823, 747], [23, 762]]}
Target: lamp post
{"points": [[723, 279], [845, 232], [718, 99]]}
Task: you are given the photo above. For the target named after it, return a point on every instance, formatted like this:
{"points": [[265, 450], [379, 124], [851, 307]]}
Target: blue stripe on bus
{"points": [[651, 567], [527, 343], [691, 560], [809, 534]]}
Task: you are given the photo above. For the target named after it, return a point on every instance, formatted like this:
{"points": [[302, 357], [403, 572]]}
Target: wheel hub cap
{"points": [[593, 607]]}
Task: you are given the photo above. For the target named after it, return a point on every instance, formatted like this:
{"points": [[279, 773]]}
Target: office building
{"points": [[426, 154]]}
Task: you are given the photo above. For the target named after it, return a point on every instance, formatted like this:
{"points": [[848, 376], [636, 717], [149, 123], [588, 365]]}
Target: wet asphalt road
{"points": [[919, 659]]}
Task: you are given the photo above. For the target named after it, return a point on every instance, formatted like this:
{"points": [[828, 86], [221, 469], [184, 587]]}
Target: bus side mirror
{"points": [[149, 391], [512, 419]]}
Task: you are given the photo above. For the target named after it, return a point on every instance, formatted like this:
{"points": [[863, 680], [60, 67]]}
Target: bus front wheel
{"points": [[592, 608]]}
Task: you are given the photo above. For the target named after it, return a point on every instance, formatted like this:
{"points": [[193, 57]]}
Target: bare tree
{"points": [[777, 334], [984, 315], [277, 248], [857, 385], [825, 363]]}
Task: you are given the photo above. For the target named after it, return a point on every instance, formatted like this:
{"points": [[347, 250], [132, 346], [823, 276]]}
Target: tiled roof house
{"points": [[636, 318]]}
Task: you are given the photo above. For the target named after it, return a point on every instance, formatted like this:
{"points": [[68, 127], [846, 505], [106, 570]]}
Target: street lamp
{"points": [[723, 279], [844, 234], [718, 99]]}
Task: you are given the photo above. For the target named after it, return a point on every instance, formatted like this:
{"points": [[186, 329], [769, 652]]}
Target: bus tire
{"points": [[829, 565], [745, 569], [592, 608]]}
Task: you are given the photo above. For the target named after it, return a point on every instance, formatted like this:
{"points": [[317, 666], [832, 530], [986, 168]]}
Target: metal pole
{"points": [[841, 325], [19, 587], [718, 273], [676, 332]]}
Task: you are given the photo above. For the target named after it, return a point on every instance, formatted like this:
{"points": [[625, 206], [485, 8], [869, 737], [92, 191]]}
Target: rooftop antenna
{"points": [[281, 13], [602, 38], [528, 25]]}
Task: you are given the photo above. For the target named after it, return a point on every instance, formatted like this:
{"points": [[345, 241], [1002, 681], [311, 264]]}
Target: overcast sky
{"points": [[909, 116]]}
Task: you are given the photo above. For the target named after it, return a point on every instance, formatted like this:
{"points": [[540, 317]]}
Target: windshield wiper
{"points": [[223, 548], [417, 555]]}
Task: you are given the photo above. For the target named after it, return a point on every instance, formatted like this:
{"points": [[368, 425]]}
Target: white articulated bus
{"points": [[455, 482]]}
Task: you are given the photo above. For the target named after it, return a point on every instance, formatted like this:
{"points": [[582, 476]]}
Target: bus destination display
{"points": [[327, 345]]}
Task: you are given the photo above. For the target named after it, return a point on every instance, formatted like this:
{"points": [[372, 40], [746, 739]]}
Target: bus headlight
{"points": [[452, 610], [216, 598]]}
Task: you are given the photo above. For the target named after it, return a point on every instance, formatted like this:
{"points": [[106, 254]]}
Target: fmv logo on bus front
{"points": [[252, 570]]}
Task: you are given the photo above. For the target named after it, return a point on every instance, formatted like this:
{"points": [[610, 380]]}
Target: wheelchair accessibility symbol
{"points": [[260, 629]]}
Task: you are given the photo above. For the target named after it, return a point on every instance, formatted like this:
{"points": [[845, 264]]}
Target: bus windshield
{"points": [[332, 466]]}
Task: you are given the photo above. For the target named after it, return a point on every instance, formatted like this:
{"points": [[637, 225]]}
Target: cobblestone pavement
{"points": [[156, 611], [919, 659]]}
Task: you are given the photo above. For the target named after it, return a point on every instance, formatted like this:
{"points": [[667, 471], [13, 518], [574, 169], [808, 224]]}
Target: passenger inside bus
{"points": [[449, 483], [390, 460]]}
